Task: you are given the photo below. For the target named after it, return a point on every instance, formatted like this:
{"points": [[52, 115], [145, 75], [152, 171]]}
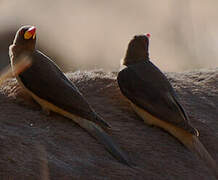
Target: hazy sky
{"points": [[94, 34]]}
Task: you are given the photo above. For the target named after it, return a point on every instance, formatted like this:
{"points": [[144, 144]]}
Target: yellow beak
{"points": [[31, 32]]}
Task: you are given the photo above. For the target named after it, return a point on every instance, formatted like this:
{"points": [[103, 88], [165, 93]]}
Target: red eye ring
{"points": [[148, 35]]}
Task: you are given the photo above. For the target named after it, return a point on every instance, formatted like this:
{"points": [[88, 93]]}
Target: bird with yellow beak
{"points": [[49, 87]]}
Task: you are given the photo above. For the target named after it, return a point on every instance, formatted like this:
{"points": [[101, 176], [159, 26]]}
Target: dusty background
{"points": [[86, 34]]}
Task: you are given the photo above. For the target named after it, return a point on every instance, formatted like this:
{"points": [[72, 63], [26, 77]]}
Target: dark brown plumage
{"points": [[154, 100], [45, 74], [46, 83], [147, 87]]}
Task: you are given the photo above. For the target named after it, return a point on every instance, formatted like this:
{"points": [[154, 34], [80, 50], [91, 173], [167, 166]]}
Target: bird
{"points": [[53, 91], [153, 98]]}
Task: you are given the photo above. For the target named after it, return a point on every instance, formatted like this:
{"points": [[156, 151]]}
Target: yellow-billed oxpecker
{"points": [[153, 98], [49, 87]]}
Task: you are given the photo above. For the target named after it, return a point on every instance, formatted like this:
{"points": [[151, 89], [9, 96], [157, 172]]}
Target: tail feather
{"points": [[104, 124], [189, 140], [98, 133], [95, 130], [198, 148]]}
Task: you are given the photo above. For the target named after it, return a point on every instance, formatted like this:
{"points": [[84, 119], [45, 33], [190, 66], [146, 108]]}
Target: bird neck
{"points": [[134, 56], [17, 51], [130, 61]]}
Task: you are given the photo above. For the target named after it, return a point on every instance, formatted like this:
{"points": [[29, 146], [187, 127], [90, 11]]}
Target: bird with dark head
{"points": [[137, 50], [154, 100], [49, 87], [25, 40]]}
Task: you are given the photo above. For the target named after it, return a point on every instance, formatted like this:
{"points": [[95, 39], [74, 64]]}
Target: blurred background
{"points": [[87, 34]]}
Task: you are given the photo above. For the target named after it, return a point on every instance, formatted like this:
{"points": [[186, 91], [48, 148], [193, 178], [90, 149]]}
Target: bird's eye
{"points": [[22, 32]]}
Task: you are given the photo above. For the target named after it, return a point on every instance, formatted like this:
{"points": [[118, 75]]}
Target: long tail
{"points": [[104, 124], [97, 132], [100, 121], [190, 141], [194, 145], [198, 148]]}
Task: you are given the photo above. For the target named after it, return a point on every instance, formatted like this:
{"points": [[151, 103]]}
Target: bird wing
{"points": [[147, 87], [48, 82]]}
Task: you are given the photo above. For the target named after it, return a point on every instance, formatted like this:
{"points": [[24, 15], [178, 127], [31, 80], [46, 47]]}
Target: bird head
{"points": [[137, 50], [26, 37]]}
